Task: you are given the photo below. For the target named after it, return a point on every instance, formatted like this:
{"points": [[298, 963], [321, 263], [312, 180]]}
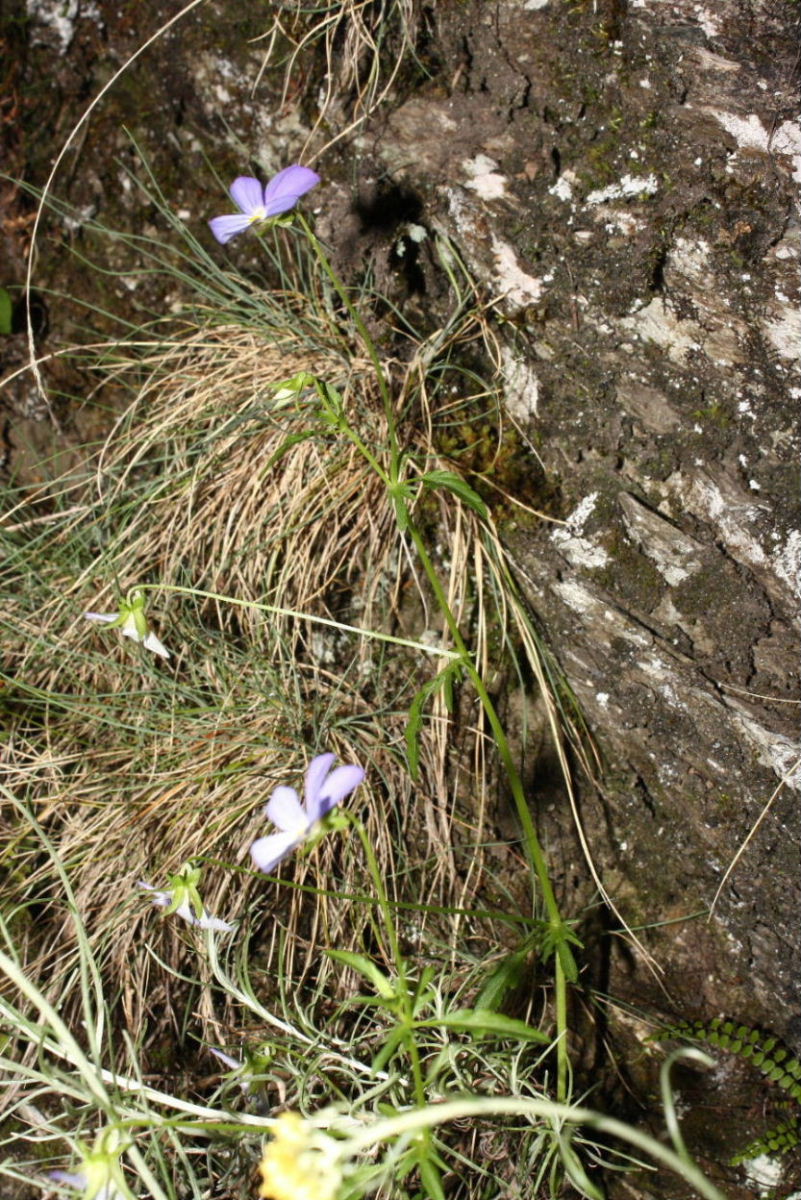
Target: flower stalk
{"points": [[559, 934]]}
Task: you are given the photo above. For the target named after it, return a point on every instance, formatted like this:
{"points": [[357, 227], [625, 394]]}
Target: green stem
{"points": [[535, 853], [383, 898], [407, 1014], [545, 1110], [563, 958], [369, 345], [277, 610]]}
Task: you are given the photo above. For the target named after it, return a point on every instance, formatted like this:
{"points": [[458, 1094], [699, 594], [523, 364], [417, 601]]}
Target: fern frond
{"points": [[765, 1052], [777, 1141]]}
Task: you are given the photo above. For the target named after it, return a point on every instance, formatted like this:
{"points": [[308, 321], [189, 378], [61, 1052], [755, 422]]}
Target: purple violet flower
{"points": [[324, 790], [72, 1178], [259, 203], [234, 1064]]}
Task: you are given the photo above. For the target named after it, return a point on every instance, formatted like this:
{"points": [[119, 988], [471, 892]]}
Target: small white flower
{"points": [[183, 899], [132, 623]]}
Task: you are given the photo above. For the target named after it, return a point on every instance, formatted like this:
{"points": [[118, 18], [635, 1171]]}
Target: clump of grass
{"points": [[206, 483], [360, 50], [83, 1102]]}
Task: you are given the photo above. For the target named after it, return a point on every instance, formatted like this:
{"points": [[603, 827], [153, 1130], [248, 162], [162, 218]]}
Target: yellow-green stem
{"points": [[532, 843], [400, 965], [536, 857], [369, 345]]}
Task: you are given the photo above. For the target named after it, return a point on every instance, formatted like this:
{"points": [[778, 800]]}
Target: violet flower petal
{"points": [[247, 194], [234, 1064], [285, 810], [225, 228], [286, 188], [227, 1059], [91, 616], [339, 784], [267, 852], [161, 899], [69, 1177], [316, 773]]}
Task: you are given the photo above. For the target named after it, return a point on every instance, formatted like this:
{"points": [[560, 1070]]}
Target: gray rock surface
{"points": [[625, 184]]}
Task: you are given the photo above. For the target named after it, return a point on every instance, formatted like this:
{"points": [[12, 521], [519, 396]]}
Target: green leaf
{"points": [[574, 1168], [423, 993], [401, 495], [454, 483], [432, 1180], [6, 311], [331, 400], [388, 1049], [503, 979], [443, 679], [286, 446], [483, 1022], [558, 940], [368, 969]]}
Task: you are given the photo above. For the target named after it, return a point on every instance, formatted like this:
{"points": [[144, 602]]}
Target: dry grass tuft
{"points": [[134, 766], [358, 47]]}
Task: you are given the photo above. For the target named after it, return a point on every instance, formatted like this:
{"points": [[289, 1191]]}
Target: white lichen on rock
{"points": [[521, 387], [675, 555], [580, 551], [511, 282], [630, 187], [484, 178]]}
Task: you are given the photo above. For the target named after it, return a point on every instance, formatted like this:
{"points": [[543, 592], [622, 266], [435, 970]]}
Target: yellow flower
{"points": [[299, 1163]]}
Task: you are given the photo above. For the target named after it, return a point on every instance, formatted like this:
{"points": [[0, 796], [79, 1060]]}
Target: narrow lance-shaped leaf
{"points": [[504, 978], [443, 679], [431, 1178], [485, 1023], [460, 488], [367, 969]]}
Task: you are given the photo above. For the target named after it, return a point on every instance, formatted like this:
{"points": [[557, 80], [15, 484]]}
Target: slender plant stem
{"points": [[563, 959], [404, 995], [277, 610], [369, 344], [535, 853], [545, 1110]]}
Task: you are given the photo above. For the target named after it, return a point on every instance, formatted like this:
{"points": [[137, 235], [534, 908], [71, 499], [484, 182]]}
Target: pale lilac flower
{"points": [[100, 1177], [259, 203], [228, 1060], [132, 623], [324, 790], [69, 1177], [234, 1064], [105, 1191], [184, 900]]}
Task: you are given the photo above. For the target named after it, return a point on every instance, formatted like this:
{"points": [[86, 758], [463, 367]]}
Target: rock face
{"points": [[626, 183]]}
